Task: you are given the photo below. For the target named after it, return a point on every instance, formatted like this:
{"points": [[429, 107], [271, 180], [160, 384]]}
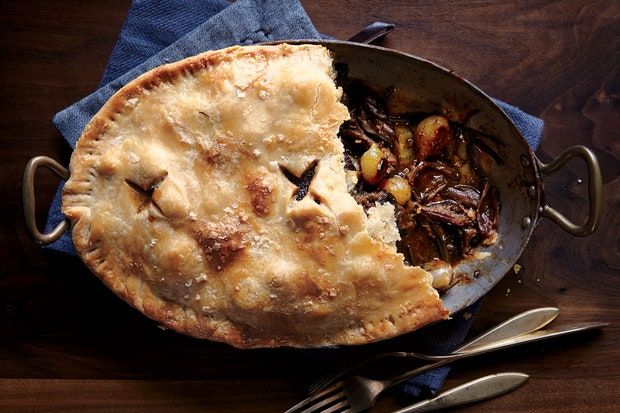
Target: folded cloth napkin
{"points": [[162, 31]]}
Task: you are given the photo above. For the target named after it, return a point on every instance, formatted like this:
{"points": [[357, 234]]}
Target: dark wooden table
{"points": [[68, 344]]}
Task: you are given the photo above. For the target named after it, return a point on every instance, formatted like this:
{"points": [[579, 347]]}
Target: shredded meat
{"points": [[488, 211], [465, 195], [447, 211], [368, 199]]}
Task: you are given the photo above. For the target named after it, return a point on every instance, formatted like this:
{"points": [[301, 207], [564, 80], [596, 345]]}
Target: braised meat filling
{"points": [[431, 168]]}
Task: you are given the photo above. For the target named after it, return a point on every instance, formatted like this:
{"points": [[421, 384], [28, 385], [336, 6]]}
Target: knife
{"points": [[474, 391], [536, 335]]}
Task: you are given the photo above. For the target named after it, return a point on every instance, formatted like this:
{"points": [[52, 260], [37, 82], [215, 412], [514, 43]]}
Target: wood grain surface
{"points": [[68, 344]]}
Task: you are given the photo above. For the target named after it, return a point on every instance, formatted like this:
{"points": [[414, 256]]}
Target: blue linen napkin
{"points": [[162, 31]]}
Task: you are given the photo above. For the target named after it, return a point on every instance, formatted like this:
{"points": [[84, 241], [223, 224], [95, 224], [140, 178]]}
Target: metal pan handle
{"points": [[374, 32], [29, 200], [595, 190]]}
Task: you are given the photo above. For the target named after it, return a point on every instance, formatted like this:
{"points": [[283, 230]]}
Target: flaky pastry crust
{"points": [[181, 204]]}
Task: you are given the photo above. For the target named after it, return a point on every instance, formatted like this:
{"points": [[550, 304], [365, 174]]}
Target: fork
{"points": [[523, 323], [357, 393]]}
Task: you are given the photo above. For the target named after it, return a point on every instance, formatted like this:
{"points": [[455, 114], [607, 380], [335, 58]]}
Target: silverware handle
{"points": [[595, 191], [29, 203], [522, 323], [476, 390]]}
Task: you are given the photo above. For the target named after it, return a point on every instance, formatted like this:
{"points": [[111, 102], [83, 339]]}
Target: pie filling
{"points": [[431, 168]]}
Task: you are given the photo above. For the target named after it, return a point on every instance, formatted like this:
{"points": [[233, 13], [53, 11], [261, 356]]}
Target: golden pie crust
{"points": [[180, 204]]}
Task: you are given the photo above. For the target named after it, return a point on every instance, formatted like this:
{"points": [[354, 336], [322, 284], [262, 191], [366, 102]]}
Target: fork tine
{"points": [[340, 371], [325, 381], [327, 394], [337, 407], [318, 407]]}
